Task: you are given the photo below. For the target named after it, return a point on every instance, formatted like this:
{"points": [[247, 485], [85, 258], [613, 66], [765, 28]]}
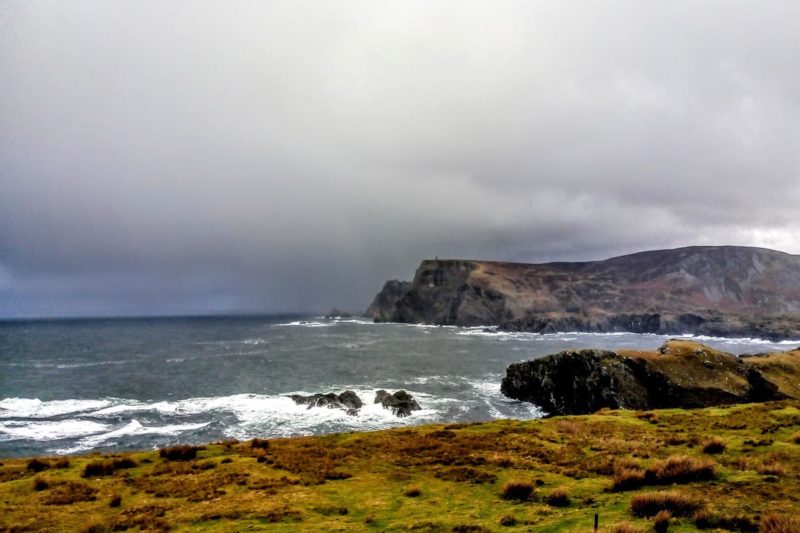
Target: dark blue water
{"points": [[72, 386]]}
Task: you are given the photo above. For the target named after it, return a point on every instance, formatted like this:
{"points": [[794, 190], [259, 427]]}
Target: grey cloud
{"points": [[267, 156]]}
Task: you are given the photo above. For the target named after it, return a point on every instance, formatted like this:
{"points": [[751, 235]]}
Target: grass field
{"points": [[732, 468]]}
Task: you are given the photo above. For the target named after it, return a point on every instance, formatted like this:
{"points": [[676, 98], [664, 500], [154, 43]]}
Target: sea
{"points": [[75, 386]]}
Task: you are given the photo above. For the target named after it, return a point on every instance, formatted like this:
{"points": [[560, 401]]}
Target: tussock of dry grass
{"points": [[180, 453], [676, 502], [661, 521], [517, 490], [558, 497], [714, 445], [780, 523], [107, 467]]}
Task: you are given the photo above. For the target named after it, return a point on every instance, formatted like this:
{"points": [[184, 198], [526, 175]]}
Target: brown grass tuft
{"points": [[681, 469], [107, 467], [40, 483], [115, 501], [507, 520], [61, 462], [628, 479], [38, 465], [780, 523], [661, 521], [517, 490], [677, 503], [714, 445], [796, 438], [558, 497], [262, 444], [413, 492], [183, 452]]}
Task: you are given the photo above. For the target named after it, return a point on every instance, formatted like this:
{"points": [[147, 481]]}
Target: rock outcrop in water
{"points": [[347, 401], [401, 403], [680, 374], [705, 290]]}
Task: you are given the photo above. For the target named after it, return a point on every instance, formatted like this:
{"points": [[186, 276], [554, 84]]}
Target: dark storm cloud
{"points": [[200, 157]]}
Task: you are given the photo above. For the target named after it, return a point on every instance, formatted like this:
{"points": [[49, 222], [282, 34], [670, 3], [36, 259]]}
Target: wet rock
{"points": [[347, 401], [401, 403]]}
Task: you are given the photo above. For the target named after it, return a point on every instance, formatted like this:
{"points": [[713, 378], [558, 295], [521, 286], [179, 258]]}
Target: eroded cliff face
{"points": [[735, 291], [382, 308], [680, 374]]}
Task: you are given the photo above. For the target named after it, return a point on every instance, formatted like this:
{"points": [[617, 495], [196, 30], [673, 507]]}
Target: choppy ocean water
{"points": [[81, 385]]}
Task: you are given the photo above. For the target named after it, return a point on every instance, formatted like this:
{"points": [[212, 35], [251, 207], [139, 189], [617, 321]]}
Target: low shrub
{"points": [[558, 497], [517, 490], [184, 452], [262, 444], [70, 492], [40, 483], [780, 523], [714, 445], [677, 503], [796, 438], [61, 462], [115, 501], [38, 465], [107, 467]]}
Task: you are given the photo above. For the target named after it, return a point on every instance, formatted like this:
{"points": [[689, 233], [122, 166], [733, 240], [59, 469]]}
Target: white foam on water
{"points": [[133, 428], [35, 408], [49, 429], [306, 324]]}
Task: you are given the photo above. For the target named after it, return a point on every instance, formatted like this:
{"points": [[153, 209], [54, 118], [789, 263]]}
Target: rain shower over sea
{"points": [[78, 385]]}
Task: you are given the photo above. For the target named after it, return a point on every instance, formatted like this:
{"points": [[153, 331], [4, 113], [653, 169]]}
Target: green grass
{"points": [[361, 481]]}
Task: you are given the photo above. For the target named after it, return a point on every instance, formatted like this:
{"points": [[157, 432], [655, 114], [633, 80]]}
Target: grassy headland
{"points": [[732, 468]]}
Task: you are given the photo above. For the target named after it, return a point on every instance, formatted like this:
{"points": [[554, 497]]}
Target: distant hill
{"points": [[713, 290]]}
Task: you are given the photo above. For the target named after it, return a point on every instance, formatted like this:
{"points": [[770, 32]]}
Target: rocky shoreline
{"points": [[681, 374]]}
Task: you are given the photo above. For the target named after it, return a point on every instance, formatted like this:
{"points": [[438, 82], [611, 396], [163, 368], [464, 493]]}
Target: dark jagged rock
{"points": [[347, 401], [383, 306], [705, 290], [401, 403], [680, 374]]}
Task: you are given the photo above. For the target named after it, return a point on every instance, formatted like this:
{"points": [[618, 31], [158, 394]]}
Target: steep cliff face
{"points": [[382, 308], [706, 290], [680, 374]]}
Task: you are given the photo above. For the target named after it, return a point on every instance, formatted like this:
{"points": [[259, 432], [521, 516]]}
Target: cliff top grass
{"points": [[727, 469]]}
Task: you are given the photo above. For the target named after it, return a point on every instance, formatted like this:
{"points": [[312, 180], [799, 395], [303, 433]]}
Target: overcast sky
{"points": [[198, 157]]}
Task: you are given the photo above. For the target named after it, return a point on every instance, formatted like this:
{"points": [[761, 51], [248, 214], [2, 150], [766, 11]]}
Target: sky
{"points": [[193, 157]]}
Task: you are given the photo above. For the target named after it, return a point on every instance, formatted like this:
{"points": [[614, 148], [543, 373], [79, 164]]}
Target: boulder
{"points": [[401, 403], [680, 374]]}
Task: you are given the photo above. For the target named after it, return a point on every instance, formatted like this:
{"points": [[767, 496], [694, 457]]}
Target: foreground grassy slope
{"points": [[732, 468]]}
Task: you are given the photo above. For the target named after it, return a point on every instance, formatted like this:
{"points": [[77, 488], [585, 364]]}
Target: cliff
{"points": [[711, 290], [680, 374]]}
